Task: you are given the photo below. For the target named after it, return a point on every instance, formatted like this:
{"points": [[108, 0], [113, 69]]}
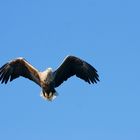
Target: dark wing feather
{"points": [[16, 68], [75, 66]]}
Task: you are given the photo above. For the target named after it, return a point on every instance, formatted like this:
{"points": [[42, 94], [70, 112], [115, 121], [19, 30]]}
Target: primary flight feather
{"points": [[48, 80]]}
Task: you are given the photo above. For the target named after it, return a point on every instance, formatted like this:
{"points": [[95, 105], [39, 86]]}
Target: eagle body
{"points": [[48, 80]]}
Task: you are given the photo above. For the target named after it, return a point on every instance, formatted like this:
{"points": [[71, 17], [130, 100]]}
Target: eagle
{"points": [[48, 80]]}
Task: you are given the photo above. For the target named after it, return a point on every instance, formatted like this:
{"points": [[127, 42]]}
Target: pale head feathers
{"points": [[47, 75]]}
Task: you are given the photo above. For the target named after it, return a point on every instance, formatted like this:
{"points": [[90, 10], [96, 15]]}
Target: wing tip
{"points": [[4, 74]]}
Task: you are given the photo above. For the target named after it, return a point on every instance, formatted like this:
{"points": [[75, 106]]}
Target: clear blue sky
{"points": [[106, 34]]}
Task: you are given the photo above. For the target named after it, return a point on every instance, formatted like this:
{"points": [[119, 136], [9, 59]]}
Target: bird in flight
{"points": [[48, 80]]}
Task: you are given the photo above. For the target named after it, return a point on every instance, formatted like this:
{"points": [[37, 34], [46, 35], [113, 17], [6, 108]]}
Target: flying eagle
{"points": [[48, 80]]}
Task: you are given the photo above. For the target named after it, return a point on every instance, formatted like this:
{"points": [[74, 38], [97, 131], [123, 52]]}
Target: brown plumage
{"points": [[49, 80]]}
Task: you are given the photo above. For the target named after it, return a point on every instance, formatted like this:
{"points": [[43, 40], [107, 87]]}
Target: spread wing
{"points": [[16, 68], [75, 66]]}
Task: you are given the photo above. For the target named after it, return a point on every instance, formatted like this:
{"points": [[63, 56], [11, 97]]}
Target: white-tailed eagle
{"points": [[48, 80]]}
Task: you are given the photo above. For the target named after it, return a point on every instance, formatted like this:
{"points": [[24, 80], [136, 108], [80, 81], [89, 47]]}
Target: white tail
{"points": [[49, 97]]}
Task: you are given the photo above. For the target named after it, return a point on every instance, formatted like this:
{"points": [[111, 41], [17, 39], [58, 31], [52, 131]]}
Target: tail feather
{"points": [[50, 97]]}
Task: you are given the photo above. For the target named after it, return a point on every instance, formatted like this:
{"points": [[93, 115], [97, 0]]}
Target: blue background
{"points": [[106, 34]]}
